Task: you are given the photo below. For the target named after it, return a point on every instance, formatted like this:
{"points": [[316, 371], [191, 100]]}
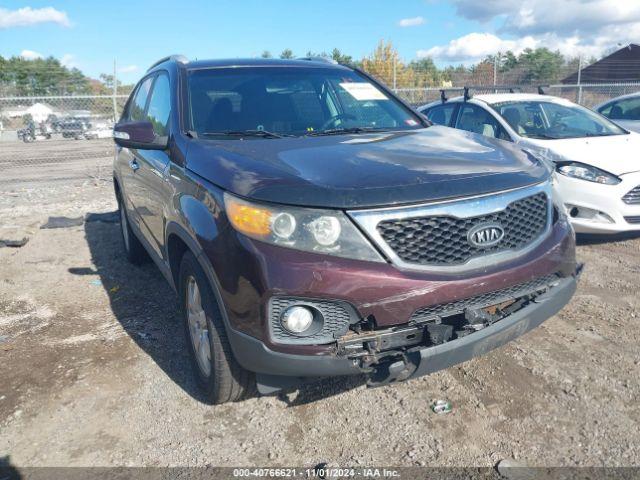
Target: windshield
{"points": [[550, 120], [287, 101]]}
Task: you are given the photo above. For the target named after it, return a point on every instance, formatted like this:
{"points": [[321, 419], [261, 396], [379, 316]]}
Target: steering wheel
{"points": [[335, 118]]}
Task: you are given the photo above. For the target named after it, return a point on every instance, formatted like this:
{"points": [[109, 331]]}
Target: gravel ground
{"points": [[93, 368]]}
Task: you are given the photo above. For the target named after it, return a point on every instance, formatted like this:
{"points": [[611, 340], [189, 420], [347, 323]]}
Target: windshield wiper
{"points": [[246, 133], [601, 134], [340, 131], [542, 136]]}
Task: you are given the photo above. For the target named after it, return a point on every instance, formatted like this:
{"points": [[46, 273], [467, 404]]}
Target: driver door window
{"points": [[160, 105], [137, 105]]}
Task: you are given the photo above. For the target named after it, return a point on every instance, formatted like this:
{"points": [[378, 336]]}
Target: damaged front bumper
{"points": [[401, 353], [423, 361]]}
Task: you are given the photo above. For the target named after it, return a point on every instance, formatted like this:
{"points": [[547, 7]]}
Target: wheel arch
{"points": [[178, 242]]}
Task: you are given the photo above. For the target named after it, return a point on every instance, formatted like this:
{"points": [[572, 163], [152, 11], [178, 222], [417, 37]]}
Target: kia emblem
{"points": [[485, 235]]}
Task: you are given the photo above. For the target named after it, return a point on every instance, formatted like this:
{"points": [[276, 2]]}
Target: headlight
{"points": [[312, 230], [587, 172]]}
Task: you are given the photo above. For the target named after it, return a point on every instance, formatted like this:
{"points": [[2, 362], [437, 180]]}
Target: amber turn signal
{"points": [[248, 219]]}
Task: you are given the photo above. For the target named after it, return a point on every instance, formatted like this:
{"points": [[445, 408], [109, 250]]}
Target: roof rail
{"points": [[318, 59], [177, 58], [443, 93], [496, 88]]}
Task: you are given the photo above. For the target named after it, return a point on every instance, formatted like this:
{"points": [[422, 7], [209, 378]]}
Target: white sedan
{"points": [[597, 163], [99, 131]]}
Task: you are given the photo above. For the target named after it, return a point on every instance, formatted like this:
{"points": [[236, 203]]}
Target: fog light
{"points": [[584, 213], [297, 319]]}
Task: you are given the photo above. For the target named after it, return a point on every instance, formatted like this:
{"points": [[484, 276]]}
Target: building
{"points": [[38, 111], [621, 66]]}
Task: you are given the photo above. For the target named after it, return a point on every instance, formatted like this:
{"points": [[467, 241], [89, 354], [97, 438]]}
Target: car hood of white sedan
{"points": [[617, 154]]}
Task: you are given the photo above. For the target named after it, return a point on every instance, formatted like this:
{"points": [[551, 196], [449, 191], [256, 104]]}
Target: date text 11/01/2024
{"points": [[316, 472]]}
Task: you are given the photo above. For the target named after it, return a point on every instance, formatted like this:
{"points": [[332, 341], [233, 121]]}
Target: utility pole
{"points": [[115, 92], [395, 61], [579, 99], [496, 61]]}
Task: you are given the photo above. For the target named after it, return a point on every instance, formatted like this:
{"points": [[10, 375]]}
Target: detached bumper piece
{"points": [[444, 335]]}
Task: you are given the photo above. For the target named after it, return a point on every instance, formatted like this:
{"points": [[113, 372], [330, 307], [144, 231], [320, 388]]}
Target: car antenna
{"points": [[541, 89], [467, 94], [443, 96]]}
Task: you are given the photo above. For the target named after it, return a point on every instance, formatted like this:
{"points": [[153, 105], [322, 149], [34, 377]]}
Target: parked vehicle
{"points": [[45, 130], [28, 133], [596, 162], [623, 110], [99, 131], [74, 128], [314, 225], [32, 130]]}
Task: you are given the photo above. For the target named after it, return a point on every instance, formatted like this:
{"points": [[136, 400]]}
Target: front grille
{"points": [[337, 317], [442, 240], [496, 297], [633, 197], [633, 220]]}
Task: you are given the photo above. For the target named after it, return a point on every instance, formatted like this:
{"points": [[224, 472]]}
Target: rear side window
{"points": [[160, 105], [441, 114], [477, 120], [137, 105]]}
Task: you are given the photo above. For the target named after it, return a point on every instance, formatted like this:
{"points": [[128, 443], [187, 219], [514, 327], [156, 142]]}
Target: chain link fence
{"points": [[62, 137], [57, 138], [588, 95]]}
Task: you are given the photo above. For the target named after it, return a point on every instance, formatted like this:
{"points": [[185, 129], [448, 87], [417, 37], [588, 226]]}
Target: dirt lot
{"points": [[93, 368]]}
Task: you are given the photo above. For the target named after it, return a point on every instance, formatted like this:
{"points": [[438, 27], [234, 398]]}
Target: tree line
{"points": [[531, 66], [47, 76]]}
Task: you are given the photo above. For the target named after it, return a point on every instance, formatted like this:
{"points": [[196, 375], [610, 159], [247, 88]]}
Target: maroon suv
{"points": [[314, 225]]}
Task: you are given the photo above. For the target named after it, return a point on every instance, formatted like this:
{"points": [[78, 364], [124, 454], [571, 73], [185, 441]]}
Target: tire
{"points": [[133, 248], [220, 376]]}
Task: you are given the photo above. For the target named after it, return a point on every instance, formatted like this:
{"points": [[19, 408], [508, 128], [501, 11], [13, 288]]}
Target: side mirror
{"points": [[138, 135]]}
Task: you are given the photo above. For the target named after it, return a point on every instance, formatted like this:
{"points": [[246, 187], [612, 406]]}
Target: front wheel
{"points": [[220, 376]]}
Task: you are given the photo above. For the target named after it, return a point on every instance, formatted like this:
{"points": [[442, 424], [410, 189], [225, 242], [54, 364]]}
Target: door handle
{"points": [[134, 165]]}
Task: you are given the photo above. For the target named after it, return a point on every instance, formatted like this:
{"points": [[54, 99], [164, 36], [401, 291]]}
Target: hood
{"points": [[617, 154], [633, 125], [357, 171]]}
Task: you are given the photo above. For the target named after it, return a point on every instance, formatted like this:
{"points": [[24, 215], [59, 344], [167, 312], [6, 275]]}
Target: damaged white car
{"points": [[597, 163]]}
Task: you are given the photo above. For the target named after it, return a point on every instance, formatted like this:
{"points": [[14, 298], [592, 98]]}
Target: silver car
{"points": [[624, 110]]}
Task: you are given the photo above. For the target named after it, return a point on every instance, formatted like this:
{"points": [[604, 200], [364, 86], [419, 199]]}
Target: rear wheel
{"points": [[219, 374], [133, 249]]}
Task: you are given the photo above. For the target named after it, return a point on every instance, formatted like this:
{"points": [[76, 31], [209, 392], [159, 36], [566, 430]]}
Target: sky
{"points": [[135, 33]]}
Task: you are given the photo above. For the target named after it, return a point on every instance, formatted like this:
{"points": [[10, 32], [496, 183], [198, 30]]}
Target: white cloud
{"points": [[411, 22], [128, 69], [30, 55], [545, 16], [68, 60], [475, 46], [574, 27], [26, 16]]}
